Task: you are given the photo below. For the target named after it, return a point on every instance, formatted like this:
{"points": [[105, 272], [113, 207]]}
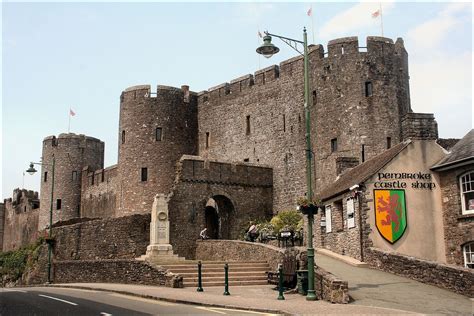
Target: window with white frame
{"points": [[350, 213], [328, 219], [466, 183], [468, 251]]}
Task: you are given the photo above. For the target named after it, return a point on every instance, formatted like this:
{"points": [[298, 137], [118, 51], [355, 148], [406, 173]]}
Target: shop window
{"points": [[467, 192], [144, 176], [468, 251], [350, 213], [334, 145], [158, 134], [58, 204], [328, 217]]}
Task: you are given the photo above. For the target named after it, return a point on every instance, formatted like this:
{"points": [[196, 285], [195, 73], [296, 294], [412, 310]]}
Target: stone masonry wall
{"points": [[419, 126], [72, 153], [2, 223], [458, 228], [459, 280], [99, 192], [141, 113], [20, 219], [243, 192], [117, 238], [113, 271]]}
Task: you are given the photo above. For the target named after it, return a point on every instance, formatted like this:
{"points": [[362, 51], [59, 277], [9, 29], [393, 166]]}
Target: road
{"points": [[60, 301], [371, 287]]}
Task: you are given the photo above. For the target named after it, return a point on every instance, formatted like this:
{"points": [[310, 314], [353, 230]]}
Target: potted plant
{"points": [[306, 206]]}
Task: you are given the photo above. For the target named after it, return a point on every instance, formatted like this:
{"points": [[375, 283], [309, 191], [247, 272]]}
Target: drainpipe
{"points": [[358, 194]]}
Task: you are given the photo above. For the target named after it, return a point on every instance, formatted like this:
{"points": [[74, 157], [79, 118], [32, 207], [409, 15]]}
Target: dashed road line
{"points": [[57, 299]]}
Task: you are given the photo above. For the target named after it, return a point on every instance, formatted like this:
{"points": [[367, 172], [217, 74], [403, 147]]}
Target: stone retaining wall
{"points": [[457, 279], [327, 286], [113, 271]]}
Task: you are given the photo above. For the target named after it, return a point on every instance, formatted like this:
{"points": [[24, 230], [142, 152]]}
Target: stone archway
{"points": [[218, 215]]}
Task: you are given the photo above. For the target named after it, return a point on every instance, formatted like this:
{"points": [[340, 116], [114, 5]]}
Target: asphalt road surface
{"points": [[60, 301]]}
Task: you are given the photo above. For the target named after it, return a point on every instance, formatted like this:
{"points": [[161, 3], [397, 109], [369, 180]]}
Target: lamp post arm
{"points": [[289, 41]]}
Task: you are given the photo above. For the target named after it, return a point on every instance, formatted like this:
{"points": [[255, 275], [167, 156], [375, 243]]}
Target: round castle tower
{"points": [[71, 152], [360, 95], [155, 130]]}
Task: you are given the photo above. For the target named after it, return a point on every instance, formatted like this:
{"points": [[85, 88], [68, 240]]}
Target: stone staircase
{"points": [[240, 272]]}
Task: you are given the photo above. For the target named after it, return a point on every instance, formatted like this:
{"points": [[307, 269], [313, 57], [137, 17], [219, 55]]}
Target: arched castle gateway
{"points": [[235, 152]]}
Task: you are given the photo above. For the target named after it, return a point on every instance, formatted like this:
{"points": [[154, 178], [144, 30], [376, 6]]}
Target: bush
{"points": [[13, 263], [288, 220]]}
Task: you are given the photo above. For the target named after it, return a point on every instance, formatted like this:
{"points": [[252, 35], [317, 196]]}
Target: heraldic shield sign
{"points": [[390, 213]]}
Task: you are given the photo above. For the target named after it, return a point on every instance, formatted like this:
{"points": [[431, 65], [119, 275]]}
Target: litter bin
{"points": [[302, 281]]}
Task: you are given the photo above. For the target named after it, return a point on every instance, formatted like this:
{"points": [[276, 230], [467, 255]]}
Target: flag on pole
{"points": [[310, 11], [71, 112], [376, 14], [260, 34]]}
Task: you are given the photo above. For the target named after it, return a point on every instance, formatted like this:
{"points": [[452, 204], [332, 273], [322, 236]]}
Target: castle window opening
{"points": [[334, 145], [363, 153], [342, 49], [467, 192], [74, 176], [368, 88], [92, 179], [246, 159], [247, 130], [468, 251], [123, 137], [315, 99], [58, 204], [158, 134], [389, 142], [45, 177], [284, 123], [102, 177], [207, 140], [144, 174]]}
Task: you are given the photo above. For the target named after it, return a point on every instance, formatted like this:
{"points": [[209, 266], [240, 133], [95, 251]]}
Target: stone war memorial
{"points": [[235, 154]]}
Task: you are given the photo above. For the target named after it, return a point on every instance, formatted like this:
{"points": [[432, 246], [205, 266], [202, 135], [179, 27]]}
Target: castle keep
{"points": [[236, 152]]}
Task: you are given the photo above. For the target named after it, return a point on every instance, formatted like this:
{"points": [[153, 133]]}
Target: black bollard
{"points": [[199, 289], [226, 279], [280, 283]]}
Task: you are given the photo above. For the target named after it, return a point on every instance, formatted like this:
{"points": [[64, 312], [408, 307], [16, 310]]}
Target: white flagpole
{"points": [[69, 124], [312, 23], [381, 17]]}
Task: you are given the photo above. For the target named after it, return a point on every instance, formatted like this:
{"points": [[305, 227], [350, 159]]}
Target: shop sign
{"points": [[390, 213], [404, 180]]}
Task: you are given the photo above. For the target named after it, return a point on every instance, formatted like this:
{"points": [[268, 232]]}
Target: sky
{"points": [[82, 55]]}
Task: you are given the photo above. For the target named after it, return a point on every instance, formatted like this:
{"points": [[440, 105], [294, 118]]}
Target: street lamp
{"points": [[267, 49], [31, 170]]}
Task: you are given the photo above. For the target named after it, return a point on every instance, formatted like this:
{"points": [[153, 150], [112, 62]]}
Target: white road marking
{"points": [[209, 309], [57, 299], [141, 299], [8, 290], [241, 311]]}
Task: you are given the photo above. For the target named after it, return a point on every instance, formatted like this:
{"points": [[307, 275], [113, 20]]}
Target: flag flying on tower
{"points": [[310, 11], [376, 14], [71, 112], [259, 34]]}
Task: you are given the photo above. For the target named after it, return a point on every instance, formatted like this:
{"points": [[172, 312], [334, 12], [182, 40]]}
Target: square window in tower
{"points": [[368, 88], [334, 145]]}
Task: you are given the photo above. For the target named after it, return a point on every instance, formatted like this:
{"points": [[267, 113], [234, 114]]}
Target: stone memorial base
{"points": [[160, 254]]}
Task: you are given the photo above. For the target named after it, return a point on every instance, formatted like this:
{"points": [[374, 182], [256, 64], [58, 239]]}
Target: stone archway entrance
{"points": [[218, 215]]}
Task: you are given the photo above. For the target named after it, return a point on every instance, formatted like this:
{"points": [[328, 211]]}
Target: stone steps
{"points": [[212, 273]]}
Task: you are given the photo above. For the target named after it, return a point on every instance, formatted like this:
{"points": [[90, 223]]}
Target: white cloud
{"points": [[432, 32], [355, 18]]}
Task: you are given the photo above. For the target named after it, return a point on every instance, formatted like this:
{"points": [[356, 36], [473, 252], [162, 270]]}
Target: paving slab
{"points": [[257, 298]]}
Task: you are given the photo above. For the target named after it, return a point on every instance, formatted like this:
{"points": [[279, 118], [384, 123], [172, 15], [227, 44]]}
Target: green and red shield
{"points": [[390, 213]]}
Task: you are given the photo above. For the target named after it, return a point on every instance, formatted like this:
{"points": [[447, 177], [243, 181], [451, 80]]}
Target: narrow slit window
{"points": [[74, 176], [158, 134], [247, 130], [207, 140], [389, 142], [102, 177], [368, 88], [45, 177], [144, 174], [284, 123], [334, 145], [123, 137], [315, 99], [58, 204], [363, 153]]}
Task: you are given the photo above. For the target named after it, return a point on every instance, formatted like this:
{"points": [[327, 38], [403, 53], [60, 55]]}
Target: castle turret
{"points": [[155, 130], [71, 152]]}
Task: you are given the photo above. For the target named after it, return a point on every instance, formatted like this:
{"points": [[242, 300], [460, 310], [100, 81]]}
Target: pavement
{"points": [[256, 298]]}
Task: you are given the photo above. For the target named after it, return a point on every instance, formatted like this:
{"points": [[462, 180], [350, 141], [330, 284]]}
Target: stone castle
{"points": [[236, 152]]}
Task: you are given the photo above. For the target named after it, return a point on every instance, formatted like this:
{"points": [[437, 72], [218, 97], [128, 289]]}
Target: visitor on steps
{"points": [[203, 234], [252, 232]]}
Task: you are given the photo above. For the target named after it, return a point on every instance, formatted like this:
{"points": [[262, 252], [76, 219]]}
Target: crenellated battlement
{"points": [[96, 177], [22, 201], [142, 92], [197, 169]]}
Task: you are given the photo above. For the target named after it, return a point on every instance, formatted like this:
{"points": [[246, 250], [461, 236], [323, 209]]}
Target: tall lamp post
{"points": [[32, 171], [267, 49]]}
